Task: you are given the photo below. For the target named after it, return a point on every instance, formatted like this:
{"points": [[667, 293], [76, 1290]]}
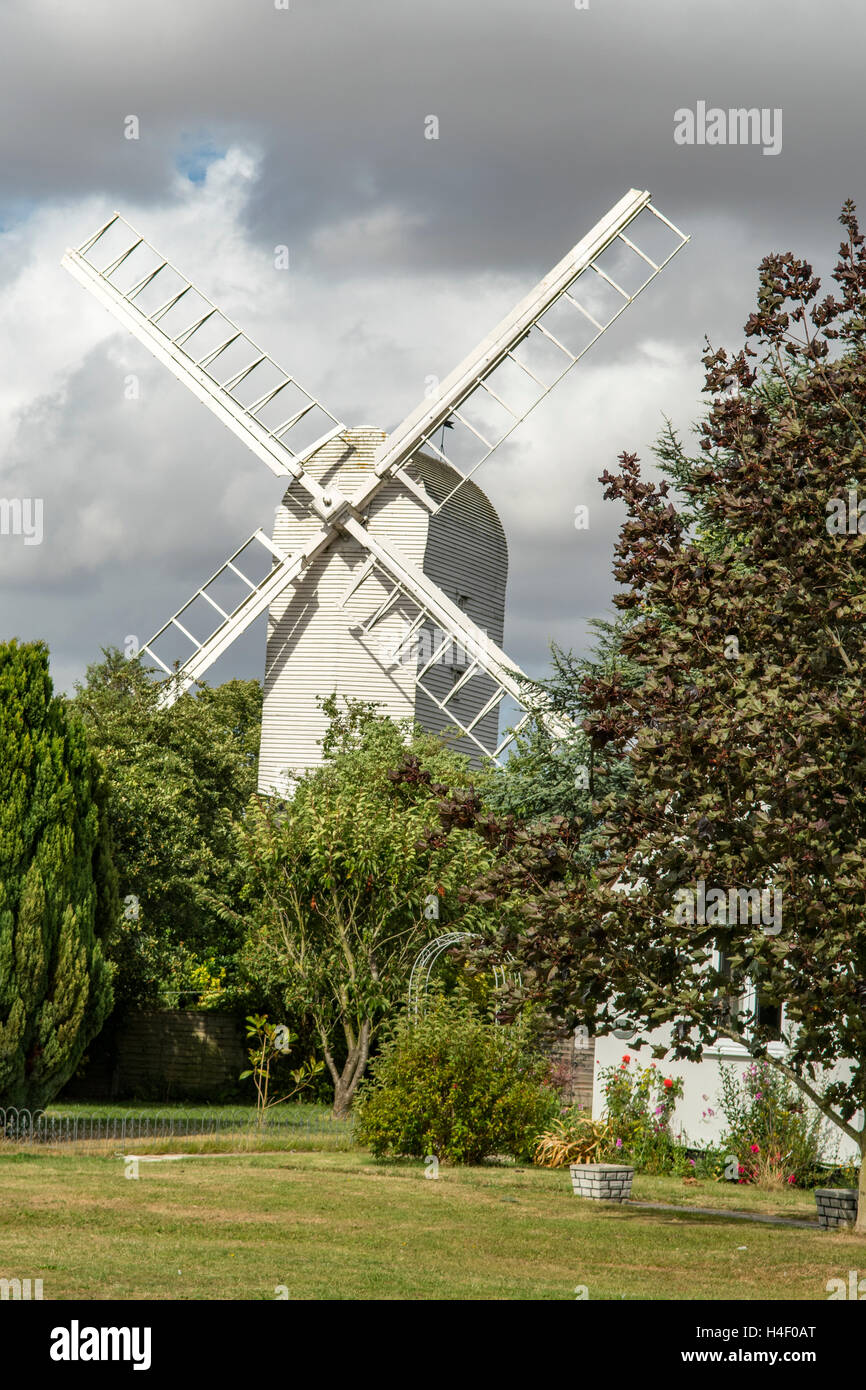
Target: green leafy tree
{"points": [[746, 735], [342, 887], [179, 780], [58, 892], [545, 777]]}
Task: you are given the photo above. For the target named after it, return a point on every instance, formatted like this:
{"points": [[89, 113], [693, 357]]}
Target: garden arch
{"points": [[419, 978]]}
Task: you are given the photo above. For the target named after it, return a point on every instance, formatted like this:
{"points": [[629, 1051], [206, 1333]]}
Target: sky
{"points": [[301, 124]]}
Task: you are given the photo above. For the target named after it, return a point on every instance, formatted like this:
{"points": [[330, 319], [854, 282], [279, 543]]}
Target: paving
{"points": [[730, 1215]]}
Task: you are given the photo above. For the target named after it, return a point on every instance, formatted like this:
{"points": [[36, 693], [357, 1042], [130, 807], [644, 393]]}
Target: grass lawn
{"points": [[343, 1225]]}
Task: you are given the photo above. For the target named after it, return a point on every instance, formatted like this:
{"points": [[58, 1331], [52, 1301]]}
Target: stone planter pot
{"points": [[603, 1182], [837, 1206]]}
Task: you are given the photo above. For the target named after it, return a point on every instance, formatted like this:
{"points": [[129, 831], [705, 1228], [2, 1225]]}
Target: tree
{"points": [[58, 891], [342, 889], [179, 780], [544, 777], [746, 735]]}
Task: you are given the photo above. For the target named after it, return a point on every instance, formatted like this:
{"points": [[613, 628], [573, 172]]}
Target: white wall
{"points": [[702, 1090]]}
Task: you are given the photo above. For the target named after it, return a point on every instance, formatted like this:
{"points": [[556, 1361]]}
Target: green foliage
{"points": [[337, 882], [58, 891], [179, 780], [543, 778], [768, 1129], [271, 1042], [639, 1105], [456, 1086]]}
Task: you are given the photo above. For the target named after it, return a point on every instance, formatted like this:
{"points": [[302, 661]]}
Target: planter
{"points": [[603, 1182], [837, 1206]]}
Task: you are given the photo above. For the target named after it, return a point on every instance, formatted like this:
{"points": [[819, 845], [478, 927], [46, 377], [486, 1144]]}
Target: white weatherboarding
{"points": [[385, 575]]}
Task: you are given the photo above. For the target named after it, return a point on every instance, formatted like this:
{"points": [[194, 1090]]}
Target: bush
{"points": [[769, 1131], [455, 1085], [639, 1106], [575, 1138]]}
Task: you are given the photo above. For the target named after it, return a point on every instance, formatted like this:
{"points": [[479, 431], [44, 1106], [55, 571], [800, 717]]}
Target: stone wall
{"points": [[175, 1054]]}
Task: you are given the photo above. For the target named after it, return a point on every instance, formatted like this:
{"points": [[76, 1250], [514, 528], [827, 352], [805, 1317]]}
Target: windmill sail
{"points": [[480, 404], [265, 406], [518, 364]]}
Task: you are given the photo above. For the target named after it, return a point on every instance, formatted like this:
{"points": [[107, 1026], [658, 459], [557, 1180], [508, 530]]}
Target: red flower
{"points": [[668, 1083], [792, 1178], [626, 1059], [754, 1148]]}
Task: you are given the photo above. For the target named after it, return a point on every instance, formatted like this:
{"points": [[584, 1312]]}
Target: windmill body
{"points": [[384, 578], [327, 634]]}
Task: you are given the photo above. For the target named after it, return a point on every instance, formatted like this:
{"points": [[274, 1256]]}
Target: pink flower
{"points": [[792, 1178], [754, 1148], [619, 1143]]}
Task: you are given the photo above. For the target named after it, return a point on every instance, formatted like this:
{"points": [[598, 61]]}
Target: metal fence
{"points": [[56, 1127]]}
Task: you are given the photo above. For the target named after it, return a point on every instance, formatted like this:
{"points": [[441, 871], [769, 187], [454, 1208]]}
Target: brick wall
{"points": [[175, 1054]]}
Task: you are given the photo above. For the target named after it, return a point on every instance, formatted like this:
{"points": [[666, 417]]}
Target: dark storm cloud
{"points": [[404, 250], [546, 112]]}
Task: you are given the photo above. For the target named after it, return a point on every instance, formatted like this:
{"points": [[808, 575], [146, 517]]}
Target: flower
{"points": [[759, 1095], [668, 1083], [792, 1178], [619, 1143], [754, 1148], [692, 1162], [626, 1058], [658, 1109]]}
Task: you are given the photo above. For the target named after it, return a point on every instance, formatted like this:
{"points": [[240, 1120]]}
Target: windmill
{"points": [[384, 577]]}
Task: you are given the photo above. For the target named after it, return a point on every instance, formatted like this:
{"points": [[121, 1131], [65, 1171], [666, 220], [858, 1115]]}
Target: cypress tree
{"points": [[58, 889]]}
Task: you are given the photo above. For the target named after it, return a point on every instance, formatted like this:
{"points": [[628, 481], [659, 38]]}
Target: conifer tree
{"points": [[58, 893]]}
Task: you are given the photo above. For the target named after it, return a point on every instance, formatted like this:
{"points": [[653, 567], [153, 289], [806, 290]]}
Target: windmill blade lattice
{"points": [[430, 613], [265, 406], [520, 362]]}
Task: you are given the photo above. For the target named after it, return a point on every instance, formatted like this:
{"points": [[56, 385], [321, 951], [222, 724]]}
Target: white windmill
{"points": [[385, 575]]}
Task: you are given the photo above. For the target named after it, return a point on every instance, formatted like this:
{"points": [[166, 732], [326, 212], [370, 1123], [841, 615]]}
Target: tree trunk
{"points": [[346, 1081], [860, 1224]]}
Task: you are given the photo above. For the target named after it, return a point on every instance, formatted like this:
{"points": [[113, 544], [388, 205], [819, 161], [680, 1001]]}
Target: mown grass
{"points": [[345, 1226]]}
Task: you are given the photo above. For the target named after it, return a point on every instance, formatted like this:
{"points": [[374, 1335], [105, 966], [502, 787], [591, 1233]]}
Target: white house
{"points": [[697, 1116]]}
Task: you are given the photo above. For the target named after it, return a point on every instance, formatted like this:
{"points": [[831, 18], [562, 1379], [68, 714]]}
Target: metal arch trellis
{"points": [[419, 978]]}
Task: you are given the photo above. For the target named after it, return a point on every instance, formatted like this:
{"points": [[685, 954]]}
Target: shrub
{"points": [[455, 1085], [639, 1105], [575, 1138], [774, 1139]]}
